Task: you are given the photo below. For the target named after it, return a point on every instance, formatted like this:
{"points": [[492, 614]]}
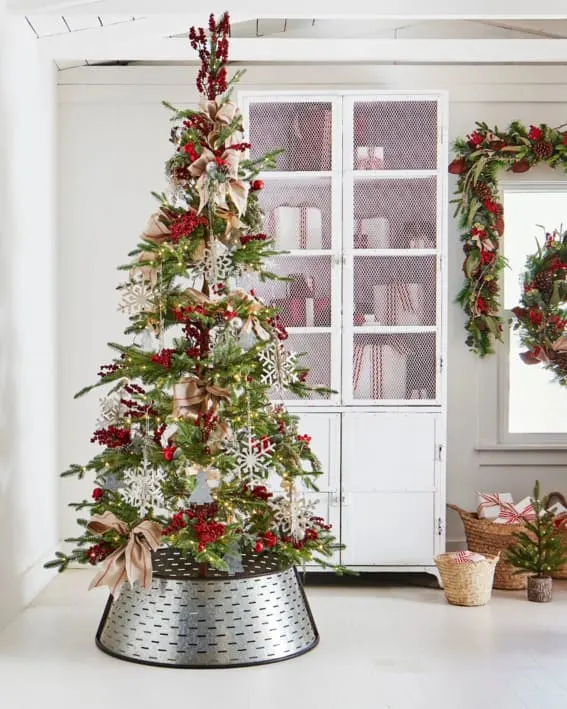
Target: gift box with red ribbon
{"points": [[489, 503], [511, 513]]}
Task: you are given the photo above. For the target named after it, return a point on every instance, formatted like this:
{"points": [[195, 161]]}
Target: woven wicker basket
{"points": [[490, 539], [467, 584]]}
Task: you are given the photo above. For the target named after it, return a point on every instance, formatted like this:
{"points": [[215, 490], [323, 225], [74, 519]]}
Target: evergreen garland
{"points": [[480, 158]]}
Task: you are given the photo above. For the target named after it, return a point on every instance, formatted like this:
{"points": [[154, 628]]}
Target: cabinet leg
{"points": [[434, 571]]}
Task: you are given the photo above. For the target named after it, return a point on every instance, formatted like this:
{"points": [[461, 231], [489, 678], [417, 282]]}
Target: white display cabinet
{"points": [[358, 202]]}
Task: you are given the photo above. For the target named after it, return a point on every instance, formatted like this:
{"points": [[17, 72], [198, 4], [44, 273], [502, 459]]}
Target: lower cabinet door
{"points": [[388, 529], [389, 488]]}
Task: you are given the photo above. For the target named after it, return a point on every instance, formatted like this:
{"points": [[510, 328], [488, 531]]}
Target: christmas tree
{"points": [[539, 549], [192, 441]]}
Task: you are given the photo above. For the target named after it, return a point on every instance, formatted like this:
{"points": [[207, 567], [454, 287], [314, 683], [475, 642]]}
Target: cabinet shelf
{"points": [[309, 330], [392, 174], [294, 175], [402, 253], [376, 329]]}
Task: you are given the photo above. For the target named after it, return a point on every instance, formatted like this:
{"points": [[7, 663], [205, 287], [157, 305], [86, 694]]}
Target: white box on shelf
{"points": [[377, 232], [369, 157], [298, 227]]}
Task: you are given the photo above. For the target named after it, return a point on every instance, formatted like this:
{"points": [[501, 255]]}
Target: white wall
{"points": [[113, 138], [28, 479]]}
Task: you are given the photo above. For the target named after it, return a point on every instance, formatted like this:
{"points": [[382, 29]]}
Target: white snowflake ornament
{"points": [[111, 411], [142, 489], [292, 514], [217, 264], [279, 365], [136, 297], [252, 456]]}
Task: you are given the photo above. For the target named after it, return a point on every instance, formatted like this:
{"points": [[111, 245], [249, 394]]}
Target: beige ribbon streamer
{"points": [[131, 562], [156, 231], [192, 396], [233, 225]]}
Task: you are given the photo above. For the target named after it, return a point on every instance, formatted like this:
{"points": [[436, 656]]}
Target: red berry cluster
{"points": [[240, 147], [304, 438], [261, 445], [259, 491], [164, 358], [279, 327], [98, 552], [207, 421], [257, 185], [302, 376], [189, 149], [186, 225], [219, 288], [106, 369], [169, 452], [556, 264], [199, 123], [208, 532], [269, 539], [112, 437], [206, 529], [158, 433], [211, 79], [252, 237], [98, 492], [320, 522]]}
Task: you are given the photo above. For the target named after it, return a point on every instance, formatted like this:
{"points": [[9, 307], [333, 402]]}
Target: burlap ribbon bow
{"points": [[192, 396], [131, 562], [229, 185], [222, 114], [254, 306]]}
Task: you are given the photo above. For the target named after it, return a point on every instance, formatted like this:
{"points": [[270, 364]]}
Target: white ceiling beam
{"points": [[152, 27], [298, 51], [331, 9]]}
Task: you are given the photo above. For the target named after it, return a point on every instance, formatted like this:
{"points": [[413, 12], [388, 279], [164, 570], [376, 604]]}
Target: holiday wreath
{"points": [[541, 317], [479, 159]]}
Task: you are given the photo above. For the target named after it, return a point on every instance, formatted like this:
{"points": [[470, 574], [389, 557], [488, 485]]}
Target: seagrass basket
{"points": [[490, 539], [467, 584]]}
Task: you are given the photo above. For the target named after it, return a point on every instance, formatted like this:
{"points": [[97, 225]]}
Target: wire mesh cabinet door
{"points": [[301, 200], [393, 242]]}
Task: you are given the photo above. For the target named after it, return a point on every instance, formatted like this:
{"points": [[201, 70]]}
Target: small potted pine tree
{"points": [[539, 550]]}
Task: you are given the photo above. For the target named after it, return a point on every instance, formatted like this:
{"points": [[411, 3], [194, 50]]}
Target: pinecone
{"points": [[543, 149], [483, 191], [559, 359], [499, 224], [490, 288], [543, 281]]}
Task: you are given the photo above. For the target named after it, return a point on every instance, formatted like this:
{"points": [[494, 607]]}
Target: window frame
{"points": [[504, 437]]}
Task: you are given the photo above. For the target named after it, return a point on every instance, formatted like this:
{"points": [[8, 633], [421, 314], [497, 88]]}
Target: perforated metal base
{"points": [[187, 621]]}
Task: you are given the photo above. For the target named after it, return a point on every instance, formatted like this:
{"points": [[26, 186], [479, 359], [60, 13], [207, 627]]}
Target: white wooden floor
{"points": [[381, 647]]}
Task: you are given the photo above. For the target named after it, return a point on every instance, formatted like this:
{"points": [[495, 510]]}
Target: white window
{"points": [[533, 407]]}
